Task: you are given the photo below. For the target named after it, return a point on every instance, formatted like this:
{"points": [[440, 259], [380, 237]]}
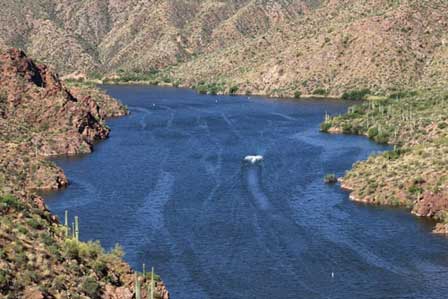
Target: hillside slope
{"points": [[260, 46], [40, 117], [415, 174]]}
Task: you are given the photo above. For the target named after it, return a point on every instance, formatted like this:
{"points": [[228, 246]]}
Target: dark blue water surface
{"points": [[171, 187]]}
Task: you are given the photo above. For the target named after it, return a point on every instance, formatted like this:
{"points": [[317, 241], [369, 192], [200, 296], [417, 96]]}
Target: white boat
{"points": [[253, 159]]}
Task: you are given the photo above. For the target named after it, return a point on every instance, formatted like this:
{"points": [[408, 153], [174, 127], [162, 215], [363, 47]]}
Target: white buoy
{"points": [[332, 274], [253, 158]]}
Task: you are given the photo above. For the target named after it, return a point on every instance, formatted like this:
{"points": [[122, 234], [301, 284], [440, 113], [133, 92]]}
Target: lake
{"points": [[172, 187]]}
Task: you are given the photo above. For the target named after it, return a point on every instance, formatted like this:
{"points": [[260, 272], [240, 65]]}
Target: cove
{"points": [[172, 187]]}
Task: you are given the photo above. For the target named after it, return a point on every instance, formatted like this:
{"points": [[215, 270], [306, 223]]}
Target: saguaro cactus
{"points": [[66, 224], [152, 283], [138, 292], [76, 228]]}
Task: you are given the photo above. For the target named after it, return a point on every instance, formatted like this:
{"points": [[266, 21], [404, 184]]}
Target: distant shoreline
{"points": [[164, 84]]}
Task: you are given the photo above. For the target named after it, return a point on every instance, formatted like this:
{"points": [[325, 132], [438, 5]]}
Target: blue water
{"points": [[171, 187]]}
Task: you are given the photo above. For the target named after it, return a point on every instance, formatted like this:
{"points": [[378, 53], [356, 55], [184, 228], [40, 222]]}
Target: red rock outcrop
{"points": [[36, 97], [40, 117]]}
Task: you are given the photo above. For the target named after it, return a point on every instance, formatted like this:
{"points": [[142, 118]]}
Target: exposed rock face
{"points": [[35, 97], [265, 47], [429, 204], [40, 117]]}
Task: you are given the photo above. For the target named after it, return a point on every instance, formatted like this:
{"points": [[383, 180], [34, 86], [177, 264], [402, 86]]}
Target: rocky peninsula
{"points": [[414, 174]]}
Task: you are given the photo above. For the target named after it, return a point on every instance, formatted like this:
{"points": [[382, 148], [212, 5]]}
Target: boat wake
{"points": [[253, 181]]}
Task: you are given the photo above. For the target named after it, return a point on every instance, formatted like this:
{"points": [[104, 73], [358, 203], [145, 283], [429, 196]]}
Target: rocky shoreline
{"points": [[440, 228], [414, 174], [41, 118]]}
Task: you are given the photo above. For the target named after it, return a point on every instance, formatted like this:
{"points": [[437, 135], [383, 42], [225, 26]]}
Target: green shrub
{"points": [[201, 89], [95, 76], [325, 126], [297, 94], [372, 132], [71, 249], [29, 277], [167, 80], [347, 128], [91, 288], [34, 223], [11, 202], [213, 90], [233, 90], [356, 94], [100, 268], [442, 125], [415, 189], [47, 239], [90, 249], [320, 91], [55, 252], [5, 280], [394, 154], [22, 229], [355, 110], [117, 251], [382, 137], [208, 88], [21, 259]]}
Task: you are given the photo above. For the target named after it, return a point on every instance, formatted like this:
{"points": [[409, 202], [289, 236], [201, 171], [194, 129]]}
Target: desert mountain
{"points": [[271, 47]]}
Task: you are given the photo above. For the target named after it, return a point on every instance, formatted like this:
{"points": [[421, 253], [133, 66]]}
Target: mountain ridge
{"points": [[264, 47]]}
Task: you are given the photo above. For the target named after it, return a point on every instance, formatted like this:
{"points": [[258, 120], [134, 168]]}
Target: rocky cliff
{"points": [[264, 47], [39, 118]]}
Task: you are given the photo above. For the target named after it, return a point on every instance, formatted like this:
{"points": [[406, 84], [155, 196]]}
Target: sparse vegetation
{"points": [[152, 77], [330, 52], [356, 94], [416, 168], [91, 288], [320, 92], [209, 88], [36, 253]]}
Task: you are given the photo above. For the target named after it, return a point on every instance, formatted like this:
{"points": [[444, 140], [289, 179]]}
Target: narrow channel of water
{"points": [[171, 187]]}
